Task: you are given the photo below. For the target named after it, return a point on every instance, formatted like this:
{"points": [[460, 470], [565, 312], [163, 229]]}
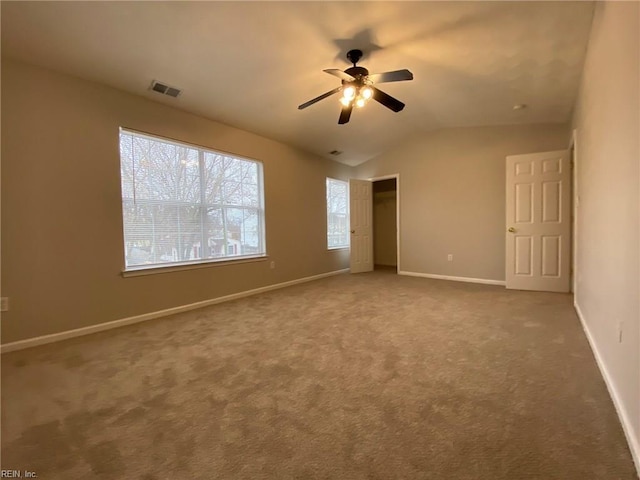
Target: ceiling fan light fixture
{"points": [[357, 87], [349, 93]]}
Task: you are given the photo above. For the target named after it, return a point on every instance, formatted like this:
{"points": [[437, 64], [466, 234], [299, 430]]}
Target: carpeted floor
{"points": [[371, 376]]}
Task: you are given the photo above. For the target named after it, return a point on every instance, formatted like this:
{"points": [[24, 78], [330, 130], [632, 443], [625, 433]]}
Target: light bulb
{"points": [[366, 93], [345, 101], [349, 93], [360, 102]]}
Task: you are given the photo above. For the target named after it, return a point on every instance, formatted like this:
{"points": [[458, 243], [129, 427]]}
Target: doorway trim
{"points": [[575, 204], [397, 177]]}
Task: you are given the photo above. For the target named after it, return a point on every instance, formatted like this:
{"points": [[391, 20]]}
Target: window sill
{"points": [[155, 269], [333, 249]]}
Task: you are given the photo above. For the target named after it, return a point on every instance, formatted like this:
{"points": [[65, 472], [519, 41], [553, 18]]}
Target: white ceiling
{"points": [[250, 64]]}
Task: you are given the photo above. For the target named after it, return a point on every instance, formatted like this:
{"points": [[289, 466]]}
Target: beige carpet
{"points": [[372, 376]]}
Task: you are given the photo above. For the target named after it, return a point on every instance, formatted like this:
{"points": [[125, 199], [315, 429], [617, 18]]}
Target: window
{"points": [[337, 213], [183, 204]]}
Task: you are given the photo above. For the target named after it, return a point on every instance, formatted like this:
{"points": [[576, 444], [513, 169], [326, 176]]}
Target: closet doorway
{"points": [[385, 223]]}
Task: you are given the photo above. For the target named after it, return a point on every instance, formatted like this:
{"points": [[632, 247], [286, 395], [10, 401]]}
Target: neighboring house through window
{"points": [[337, 213], [184, 204]]}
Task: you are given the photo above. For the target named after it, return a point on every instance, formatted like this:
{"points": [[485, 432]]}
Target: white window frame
{"points": [[202, 205], [332, 216]]}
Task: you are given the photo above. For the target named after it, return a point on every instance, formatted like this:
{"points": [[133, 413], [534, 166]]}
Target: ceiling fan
{"points": [[357, 87]]}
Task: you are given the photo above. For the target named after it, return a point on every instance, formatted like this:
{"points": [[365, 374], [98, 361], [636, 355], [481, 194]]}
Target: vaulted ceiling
{"points": [[250, 64]]}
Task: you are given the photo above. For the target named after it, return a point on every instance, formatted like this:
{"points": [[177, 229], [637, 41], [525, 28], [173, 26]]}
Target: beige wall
{"points": [[452, 195], [62, 247], [608, 223], [384, 228]]}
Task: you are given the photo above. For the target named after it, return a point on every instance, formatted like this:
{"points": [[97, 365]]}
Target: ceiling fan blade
{"points": [[345, 114], [395, 76], [340, 74], [317, 99], [387, 100]]}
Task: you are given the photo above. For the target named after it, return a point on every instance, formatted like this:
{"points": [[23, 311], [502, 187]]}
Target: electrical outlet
{"points": [[450, 257], [4, 304], [620, 330], [272, 265]]}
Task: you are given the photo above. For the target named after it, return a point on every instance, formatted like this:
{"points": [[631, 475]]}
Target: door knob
{"points": [[353, 231], [511, 229]]}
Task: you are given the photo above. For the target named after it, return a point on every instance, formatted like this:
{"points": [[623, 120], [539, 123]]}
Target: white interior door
{"points": [[361, 222], [538, 237]]}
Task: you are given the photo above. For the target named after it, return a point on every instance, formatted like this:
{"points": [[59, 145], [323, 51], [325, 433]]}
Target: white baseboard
{"points": [[455, 279], [632, 439], [56, 337]]}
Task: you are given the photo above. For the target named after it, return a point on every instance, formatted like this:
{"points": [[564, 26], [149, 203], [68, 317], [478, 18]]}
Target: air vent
{"points": [[335, 153], [165, 89]]}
